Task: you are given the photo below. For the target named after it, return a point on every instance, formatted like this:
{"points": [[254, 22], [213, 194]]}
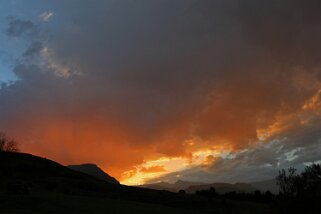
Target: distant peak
{"points": [[163, 182], [94, 170], [180, 182], [88, 164]]}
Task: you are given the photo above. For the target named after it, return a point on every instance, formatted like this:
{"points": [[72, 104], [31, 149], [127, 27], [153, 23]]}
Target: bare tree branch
{"points": [[7, 145]]}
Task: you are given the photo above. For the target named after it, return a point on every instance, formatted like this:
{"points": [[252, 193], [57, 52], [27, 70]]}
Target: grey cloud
{"points": [[260, 162], [252, 165], [18, 28], [34, 49]]}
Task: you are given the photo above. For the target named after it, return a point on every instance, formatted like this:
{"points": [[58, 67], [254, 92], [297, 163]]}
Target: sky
{"points": [[164, 90]]}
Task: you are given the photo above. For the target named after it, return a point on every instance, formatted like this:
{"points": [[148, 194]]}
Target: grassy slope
{"points": [[53, 188]]}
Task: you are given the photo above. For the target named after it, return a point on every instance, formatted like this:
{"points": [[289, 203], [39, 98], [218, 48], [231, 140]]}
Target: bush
{"points": [[7, 145]]}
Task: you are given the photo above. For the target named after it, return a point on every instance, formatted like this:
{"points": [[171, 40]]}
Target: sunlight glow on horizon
{"points": [[137, 176]]}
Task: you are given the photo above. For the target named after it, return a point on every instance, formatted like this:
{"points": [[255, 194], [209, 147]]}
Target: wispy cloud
{"points": [[45, 16]]}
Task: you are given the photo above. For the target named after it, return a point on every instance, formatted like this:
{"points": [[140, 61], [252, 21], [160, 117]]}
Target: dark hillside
{"points": [[27, 174]]}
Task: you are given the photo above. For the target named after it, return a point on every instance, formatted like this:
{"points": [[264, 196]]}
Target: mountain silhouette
{"points": [[94, 170], [175, 187], [223, 188]]}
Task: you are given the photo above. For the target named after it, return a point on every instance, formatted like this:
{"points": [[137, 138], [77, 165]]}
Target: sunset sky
{"points": [[161, 90]]}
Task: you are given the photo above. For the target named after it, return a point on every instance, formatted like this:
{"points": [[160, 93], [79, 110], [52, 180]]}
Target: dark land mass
{"points": [[220, 187], [223, 188], [30, 184], [94, 170]]}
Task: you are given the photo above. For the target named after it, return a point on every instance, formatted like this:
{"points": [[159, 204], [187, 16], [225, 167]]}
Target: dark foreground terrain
{"points": [[30, 184]]}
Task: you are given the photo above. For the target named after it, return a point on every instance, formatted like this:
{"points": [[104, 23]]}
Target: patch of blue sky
{"points": [[12, 48], [6, 74]]}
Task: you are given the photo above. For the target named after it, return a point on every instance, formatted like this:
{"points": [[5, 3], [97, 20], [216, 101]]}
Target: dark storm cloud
{"points": [[289, 29], [166, 71]]}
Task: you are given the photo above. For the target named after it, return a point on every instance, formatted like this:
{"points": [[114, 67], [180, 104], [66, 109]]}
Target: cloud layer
{"points": [[120, 83]]}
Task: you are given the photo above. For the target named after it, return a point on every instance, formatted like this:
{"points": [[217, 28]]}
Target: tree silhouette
{"points": [[300, 192], [7, 145], [207, 193], [288, 182], [311, 181], [306, 184], [182, 191]]}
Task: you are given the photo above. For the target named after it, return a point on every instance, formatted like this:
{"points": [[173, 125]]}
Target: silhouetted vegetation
{"points": [[7, 145], [211, 193], [266, 197], [300, 192], [304, 185], [182, 191]]}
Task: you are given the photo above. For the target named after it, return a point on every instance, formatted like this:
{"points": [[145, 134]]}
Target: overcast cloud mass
{"points": [[230, 88]]}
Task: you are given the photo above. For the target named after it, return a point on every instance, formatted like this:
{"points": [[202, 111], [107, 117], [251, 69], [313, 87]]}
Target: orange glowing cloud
{"points": [[153, 169]]}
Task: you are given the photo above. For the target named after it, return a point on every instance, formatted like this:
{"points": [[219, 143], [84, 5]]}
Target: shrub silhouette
{"points": [[7, 145], [182, 191], [211, 193]]}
